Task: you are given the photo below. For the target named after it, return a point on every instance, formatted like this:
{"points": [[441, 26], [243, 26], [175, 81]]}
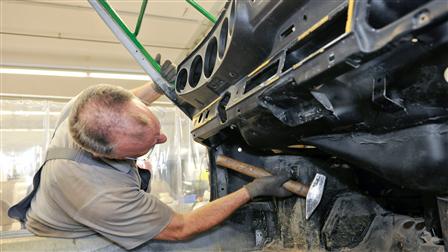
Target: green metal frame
{"points": [[133, 36], [140, 17], [136, 49]]}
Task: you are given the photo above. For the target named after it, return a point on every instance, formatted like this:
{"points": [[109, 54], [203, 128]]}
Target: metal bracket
{"points": [[381, 98]]}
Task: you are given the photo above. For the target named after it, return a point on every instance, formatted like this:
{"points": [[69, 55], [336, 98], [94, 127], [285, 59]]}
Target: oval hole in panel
{"points": [[195, 71], [223, 37], [181, 80], [210, 57]]}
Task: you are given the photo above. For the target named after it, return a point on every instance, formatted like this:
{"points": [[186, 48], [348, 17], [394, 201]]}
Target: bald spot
{"points": [[108, 122]]}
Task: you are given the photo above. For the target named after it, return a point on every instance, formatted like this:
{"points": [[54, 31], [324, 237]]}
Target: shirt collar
{"points": [[121, 165]]}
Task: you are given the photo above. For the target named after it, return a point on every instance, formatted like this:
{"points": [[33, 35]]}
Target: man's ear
{"points": [[97, 155]]}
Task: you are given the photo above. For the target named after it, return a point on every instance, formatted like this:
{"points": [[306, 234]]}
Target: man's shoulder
{"points": [[72, 175]]}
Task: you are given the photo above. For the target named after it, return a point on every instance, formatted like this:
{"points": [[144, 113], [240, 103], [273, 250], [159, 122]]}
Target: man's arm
{"points": [[184, 226], [150, 92]]}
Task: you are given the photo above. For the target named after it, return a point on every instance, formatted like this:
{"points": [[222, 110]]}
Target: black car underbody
{"points": [[354, 90]]}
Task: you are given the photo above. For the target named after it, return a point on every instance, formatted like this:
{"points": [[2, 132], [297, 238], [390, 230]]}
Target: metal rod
{"points": [[202, 10], [140, 17]]}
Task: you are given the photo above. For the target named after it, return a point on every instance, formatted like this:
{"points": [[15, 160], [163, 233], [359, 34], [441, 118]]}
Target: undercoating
{"points": [[348, 217]]}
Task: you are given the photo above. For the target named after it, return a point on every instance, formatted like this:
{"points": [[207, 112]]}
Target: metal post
{"points": [[140, 17]]}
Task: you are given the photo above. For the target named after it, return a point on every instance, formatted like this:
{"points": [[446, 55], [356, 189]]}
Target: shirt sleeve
{"points": [[126, 216]]}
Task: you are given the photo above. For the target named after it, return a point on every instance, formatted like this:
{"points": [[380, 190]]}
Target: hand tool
{"points": [[313, 193]]}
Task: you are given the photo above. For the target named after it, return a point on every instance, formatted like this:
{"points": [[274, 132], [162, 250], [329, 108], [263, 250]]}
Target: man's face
{"points": [[143, 134]]}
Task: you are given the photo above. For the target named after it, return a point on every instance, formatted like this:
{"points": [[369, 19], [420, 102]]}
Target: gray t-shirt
{"points": [[76, 200]]}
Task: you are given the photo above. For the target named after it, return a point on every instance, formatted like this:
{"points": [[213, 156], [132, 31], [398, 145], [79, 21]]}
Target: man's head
{"points": [[111, 122]]}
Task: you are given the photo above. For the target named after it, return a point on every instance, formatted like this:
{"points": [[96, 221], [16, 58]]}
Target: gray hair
{"points": [[96, 114]]}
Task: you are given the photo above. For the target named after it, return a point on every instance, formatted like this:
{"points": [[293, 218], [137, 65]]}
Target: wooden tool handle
{"points": [[257, 172]]}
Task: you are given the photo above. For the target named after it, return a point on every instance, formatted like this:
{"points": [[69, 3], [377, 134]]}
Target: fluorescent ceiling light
{"points": [[80, 74], [100, 75], [25, 130], [43, 72]]}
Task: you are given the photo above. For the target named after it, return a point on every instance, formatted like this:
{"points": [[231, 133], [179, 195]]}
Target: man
{"points": [[90, 184]]}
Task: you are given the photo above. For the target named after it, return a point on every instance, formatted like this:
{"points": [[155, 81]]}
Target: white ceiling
{"points": [[70, 34]]}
